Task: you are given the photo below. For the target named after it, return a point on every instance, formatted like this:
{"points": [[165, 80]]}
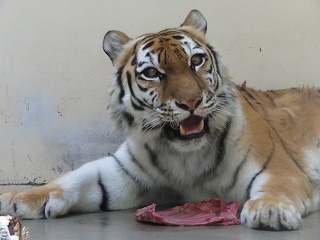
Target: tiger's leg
{"points": [[278, 200], [104, 184]]}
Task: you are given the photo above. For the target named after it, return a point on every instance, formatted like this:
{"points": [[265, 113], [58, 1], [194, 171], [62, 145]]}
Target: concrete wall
{"points": [[54, 74]]}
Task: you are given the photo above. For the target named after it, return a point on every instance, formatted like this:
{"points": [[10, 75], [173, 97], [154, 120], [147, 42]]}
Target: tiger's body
{"points": [[192, 134]]}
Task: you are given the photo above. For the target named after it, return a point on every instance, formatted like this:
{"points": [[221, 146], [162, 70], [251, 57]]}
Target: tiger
{"points": [[192, 134]]}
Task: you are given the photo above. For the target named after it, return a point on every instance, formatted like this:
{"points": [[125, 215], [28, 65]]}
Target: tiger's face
{"points": [[168, 84]]}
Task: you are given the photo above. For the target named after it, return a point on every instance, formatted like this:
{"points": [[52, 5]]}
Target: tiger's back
{"points": [[295, 117], [293, 114]]}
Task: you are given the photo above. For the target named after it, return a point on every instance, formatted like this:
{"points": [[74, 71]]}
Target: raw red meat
{"points": [[207, 212]]}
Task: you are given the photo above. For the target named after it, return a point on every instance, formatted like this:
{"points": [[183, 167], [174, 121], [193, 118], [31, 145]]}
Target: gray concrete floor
{"points": [[122, 225]]}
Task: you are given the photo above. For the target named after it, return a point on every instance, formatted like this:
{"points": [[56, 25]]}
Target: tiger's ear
{"points": [[113, 43], [197, 20]]}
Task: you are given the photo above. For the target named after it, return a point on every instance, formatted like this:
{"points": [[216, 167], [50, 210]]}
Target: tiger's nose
{"points": [[189, 105]]}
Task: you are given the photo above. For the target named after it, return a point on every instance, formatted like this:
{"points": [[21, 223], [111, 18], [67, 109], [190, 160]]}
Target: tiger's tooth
{"points": [[182, 131], [201, 126]]}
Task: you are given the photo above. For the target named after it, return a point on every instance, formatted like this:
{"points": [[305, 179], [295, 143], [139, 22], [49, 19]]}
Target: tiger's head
{"points": [[169, 85]]}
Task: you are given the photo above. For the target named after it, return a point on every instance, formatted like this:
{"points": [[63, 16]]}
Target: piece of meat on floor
{"points": [[206, 212]]}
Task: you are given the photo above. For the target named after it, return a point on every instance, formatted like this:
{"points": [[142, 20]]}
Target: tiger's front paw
{"points": [[270, 213], [41, 202]]}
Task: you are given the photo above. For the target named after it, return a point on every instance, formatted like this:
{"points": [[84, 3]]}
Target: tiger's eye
{"points": [[196, 60], [150, 72]]}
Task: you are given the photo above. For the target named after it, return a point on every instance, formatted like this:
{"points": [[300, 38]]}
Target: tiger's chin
{"points": [[191, 135], [186, 146]]}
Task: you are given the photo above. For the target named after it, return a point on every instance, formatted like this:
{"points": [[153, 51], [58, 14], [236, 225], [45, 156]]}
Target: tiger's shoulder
{"points": [[292, 114]]}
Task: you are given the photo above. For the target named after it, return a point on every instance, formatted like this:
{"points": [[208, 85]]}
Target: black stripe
{"points": [[143, 89], [165, 57], [247, 100], [245, 92], [198, 45], [134, 61], [170, 32], [207, 175], [263, 111], [184, 51], [130, 83], [42, 214], [249, 94], [148, 45], [269, 97], [154, 159], [222, 96], [141, 63], [178, 37], [159, 55], [165, 33], [138, 183], [214, 61], [210, 105], [211, 69], [263, 168], [132, 92], [219, 156], [236, 172], [145, 101], [148, 38], [179, 51], [221, 143], [119, 82], [141, 102], [214, 54], [15, 208], [289, 153], [217, 83], [136, 106], [254, 178], [104, 205], [129, 118], [154, 98], [136, 162]]}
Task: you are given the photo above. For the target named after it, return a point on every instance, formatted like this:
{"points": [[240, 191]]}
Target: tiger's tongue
{"points": [[191, 125]]}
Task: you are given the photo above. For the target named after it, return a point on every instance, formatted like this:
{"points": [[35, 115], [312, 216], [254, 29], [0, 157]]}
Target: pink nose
{"points": [[189, 105]]}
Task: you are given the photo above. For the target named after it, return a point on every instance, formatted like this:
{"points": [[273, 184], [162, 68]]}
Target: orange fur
{"points": [[286, 123], [36, 198]]}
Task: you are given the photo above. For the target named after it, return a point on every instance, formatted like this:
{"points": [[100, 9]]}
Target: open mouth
{"points": [[190, 128]]}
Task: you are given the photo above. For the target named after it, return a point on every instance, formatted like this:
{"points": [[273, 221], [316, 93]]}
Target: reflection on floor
{"points": [[120, 225]]}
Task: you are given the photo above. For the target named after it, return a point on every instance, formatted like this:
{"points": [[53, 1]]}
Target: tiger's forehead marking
{"points": [[157, 48]]}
